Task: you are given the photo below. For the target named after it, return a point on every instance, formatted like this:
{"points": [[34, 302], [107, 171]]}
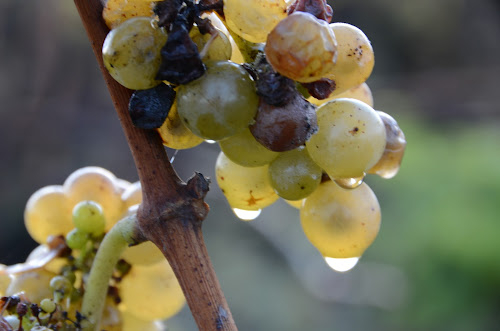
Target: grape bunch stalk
{"points": [[283, 92]]}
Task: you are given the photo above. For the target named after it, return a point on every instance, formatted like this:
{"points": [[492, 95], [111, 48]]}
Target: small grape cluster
{"points": [[69, 222], [280, 88]]}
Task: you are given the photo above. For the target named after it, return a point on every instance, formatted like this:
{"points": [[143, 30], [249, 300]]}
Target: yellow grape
{"points": [[116, 12], [122, 184], [355, 59], [96, 184], [236, 55], [244, 188], [34, 284], [151, 292], [47, 213], [132, 195], [295, 203], [132, 323], [341, 223], [42, 255], [175, 134], [143, 254], [216, 47], [5, 280], [253, 20], [350, 140], [361, 92]]}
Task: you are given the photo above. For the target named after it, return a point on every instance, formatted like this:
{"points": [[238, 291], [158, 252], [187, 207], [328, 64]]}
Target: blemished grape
{"points": [[98, 185], [88, 217], [294, 175], [34, 284], [350, 139], [341, 223], [151, 292], [243, 149], [253, 20], [131, 53], [361, 92], [76, 239], [302, 47], [145, 253], [220, 104], [390, 162], [47, 213], [212, 47], [175, 134], [355, 59], [244, 188], [116, 12]]}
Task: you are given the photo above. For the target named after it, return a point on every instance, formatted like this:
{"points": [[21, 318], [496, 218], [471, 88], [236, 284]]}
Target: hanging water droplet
{"points": [[342, 265], [246, 215], [349, 183], [173, 156], [208, 141]]}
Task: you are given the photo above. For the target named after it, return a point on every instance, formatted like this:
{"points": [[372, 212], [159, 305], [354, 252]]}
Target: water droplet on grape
{"points": [[342, 265], [247, 215], [349, 183], [208, 141]]}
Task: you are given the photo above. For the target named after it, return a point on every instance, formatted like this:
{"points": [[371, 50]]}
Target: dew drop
{"points": [[208, 141], [349, 183], [342, 265], [246, 215]]}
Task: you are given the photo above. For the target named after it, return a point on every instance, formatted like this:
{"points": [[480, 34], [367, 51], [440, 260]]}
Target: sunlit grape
{"points": [[116, 12], [34, 284], [145, 253], [212, 46], [132, 323]]}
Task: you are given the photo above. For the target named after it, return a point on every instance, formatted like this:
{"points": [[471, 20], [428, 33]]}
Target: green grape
{"points": [[98, 185], [145, 253], [341, 223], [131, 53], [151, 292], [76, 239], [302, 47], [88, 217], [361, 92], [243, 149], [253, 20], [47, 213], [48, 305], [390, 162], [350, 139], [355, 59], [244, 188], [34, 284], [132, 323], [116, 12], [236, 55], [294, 175], [213, 46], [175, 134], [219, 104]]}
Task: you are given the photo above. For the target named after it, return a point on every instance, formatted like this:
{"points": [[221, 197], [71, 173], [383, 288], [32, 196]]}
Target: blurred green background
{"points": [[436, 262]]}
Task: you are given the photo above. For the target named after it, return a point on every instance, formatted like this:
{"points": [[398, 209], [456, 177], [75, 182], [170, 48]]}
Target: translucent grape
{"points": [[294, 175], [220, 104], [361, 92], [88, 217], [390, 162], [98, 185], [341, 223], [212, 47], [131, 53], [253, 20], [116, 12], [175, 134], [47, 213], [145, 253], [355, 59], [34, 284], [244, 188], [151, 292], [243, 149], [350, 139], [76, 239], [302, 48]]}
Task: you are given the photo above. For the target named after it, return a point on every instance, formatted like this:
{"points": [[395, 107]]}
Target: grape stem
{"points": [[112, 246], [171, 211]]}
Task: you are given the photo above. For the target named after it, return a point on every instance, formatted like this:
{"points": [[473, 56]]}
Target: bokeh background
{"points": [[436, 262]]}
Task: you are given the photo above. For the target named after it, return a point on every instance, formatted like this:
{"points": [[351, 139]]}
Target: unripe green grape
{"points": [[76, 239], [151, 292], [212, 47], [350, 139], [244, 188], [47, 213], [60, 284], [361, 92], [355, 59], [34, 284], [145, 253], [253, 20], [294, 175], [219, 104], [243, 149], [88, 217], [48, 305], [341, 223], [131, 52]]}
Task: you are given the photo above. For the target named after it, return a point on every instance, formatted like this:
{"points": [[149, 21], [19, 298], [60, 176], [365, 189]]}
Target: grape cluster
{"points": [[69, 222], [281, 89]]}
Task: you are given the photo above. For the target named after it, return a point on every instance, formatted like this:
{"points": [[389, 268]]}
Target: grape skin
{"points": [[361, 92], [341, 223], [214, 47]]}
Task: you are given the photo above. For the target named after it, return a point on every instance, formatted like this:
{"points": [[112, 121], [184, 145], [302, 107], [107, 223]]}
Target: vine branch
{"points": [[171, 212]]}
